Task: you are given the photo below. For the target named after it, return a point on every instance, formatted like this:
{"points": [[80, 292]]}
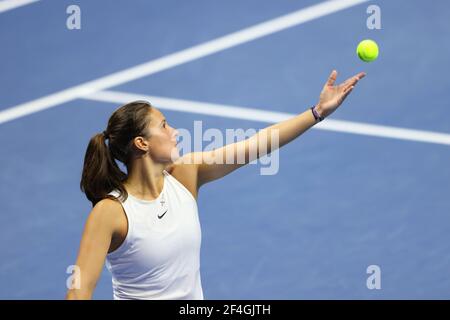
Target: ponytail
{"points": [[101, 174]]}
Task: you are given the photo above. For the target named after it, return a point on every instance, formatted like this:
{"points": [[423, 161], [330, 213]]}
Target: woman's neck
{"points": [[145, 180]]}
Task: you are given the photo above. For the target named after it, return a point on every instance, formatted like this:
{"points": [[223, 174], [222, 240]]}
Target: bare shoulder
{"points": [[185, 171], [108, 213], [107, 206]]}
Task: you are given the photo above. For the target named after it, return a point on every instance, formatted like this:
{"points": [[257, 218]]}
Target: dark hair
{"points": [[101, 174]]}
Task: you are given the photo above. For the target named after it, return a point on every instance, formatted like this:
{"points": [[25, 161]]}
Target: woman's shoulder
{"points": [[186, 174], [109, 213], [110, 202], [107, 220]]}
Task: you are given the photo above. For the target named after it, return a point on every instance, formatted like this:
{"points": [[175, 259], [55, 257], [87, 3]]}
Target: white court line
{"points": [[6, 5], [178, 58], [271, 117]]}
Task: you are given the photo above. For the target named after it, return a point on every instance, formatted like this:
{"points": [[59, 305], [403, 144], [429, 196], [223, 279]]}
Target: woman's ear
{"points": [[141, 144]]}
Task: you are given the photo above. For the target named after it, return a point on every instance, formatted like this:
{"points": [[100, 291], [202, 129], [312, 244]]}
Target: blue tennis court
{"points": [[369, 186]]}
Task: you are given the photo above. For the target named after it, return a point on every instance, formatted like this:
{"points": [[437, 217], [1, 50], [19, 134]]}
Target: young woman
{"points": [[145, 223]]}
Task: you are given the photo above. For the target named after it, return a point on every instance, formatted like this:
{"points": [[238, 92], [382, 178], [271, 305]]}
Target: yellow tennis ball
{"points": [[367, 50]]}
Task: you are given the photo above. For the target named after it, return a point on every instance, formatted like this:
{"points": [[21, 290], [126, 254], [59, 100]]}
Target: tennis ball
{"points": [[367, 50]]}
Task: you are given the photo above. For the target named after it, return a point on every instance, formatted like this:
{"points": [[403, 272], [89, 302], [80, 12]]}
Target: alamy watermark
{"points": [[374, 280], [236, 146], [73, 21], [74, 280], [374, 20]]}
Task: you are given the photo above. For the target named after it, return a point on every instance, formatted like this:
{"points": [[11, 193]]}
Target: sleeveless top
{"points": [[160, 256]]}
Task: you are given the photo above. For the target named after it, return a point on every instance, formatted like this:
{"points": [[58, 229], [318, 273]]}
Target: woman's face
{"points": [[162, 142]]}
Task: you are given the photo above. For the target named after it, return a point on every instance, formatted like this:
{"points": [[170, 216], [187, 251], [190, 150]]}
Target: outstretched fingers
{"points": [[346, 92], [351, 82], [361, 75], [332, 78]]}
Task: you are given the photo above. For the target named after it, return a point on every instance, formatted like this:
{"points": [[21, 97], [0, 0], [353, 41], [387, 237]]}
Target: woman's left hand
{"points": [[332, 96]]}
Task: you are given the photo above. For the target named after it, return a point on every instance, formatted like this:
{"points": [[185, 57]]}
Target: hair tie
{"points": [[105, 134]]}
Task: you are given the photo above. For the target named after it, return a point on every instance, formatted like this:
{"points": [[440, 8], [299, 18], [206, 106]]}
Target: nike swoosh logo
{"points": [[160, 216]]}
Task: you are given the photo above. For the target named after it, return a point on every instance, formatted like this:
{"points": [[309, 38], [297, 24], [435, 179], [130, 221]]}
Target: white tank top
{"points": [[160, 256]]}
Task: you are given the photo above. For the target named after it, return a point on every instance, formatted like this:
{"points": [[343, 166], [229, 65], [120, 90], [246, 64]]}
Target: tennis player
{"points": [[144, 223]]}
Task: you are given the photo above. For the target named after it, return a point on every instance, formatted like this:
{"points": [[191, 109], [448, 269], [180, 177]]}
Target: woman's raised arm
{"points": [[218, 163]]}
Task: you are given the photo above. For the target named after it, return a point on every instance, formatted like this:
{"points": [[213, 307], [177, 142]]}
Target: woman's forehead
{"points": [[156, 116]]}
